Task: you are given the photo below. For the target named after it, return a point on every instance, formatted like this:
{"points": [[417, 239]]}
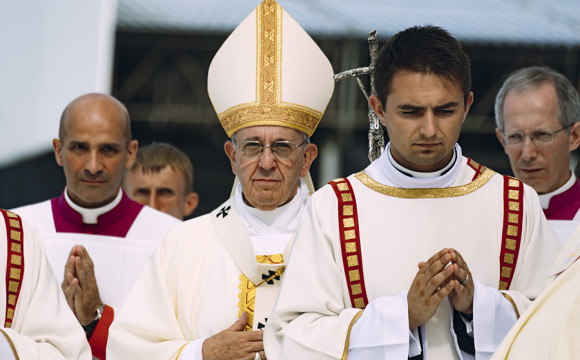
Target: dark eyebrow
{"points": [[451, 104], [409, 107]]}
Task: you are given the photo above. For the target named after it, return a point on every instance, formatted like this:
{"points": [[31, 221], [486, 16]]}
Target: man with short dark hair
{"points": [[162, 177], [93, 233], [425, 253], [537, 112]]}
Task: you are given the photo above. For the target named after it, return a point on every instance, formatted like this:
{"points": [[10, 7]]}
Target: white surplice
{"points": [[43, 326], [404, 220]]}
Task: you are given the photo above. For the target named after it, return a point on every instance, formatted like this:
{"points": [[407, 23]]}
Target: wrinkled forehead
{"points": [[268, 133]]}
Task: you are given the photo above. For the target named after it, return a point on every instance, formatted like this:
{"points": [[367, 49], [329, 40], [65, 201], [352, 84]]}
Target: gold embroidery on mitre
{"points": [[247, 294], [269, 108], [298, 118]]}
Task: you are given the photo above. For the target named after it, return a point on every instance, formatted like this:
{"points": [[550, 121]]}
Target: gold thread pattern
{"points": [[16, 260], [502, 285], [17, 248], [349, 234], [354, 275], [247, 294], [15, 235], [506, 272], [350, 247], [348, 222], [346, 197], [513, 183], [513, 218], [509, 298], [510, 244], [352, 260], [359, 302], [508, 258], [513, 195], [512, 230], [342, 186], [347, 340], [347, 210], [486, 175], [356, 289], [514, 206], [14, 223]]}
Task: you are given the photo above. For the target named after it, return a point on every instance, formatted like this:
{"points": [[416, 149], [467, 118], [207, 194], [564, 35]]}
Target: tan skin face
{"points": [[546, 166], [164, 190], [94, 151], [268, 183], [423, 115]]}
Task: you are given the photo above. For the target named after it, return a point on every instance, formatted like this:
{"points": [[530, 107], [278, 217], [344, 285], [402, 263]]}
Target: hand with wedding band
{"points": [[462, 295]]}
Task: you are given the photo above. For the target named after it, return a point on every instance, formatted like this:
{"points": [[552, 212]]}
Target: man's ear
{"points": [[57, 147], [191, 202], [377, 106], [131, 153], [231, 153], [574, 136], [310, 153], [468, 105], [500, 138]]}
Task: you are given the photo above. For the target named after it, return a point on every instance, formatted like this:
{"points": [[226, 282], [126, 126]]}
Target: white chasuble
{"points": [[314, 317]]}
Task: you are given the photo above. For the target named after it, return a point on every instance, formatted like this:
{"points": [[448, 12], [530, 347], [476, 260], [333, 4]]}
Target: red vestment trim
{"points": [[350, 242], [14, 263], [512, 229], [100, 336], [475, 166]]}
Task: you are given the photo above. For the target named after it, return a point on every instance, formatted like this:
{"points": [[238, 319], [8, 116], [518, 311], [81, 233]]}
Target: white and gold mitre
{"points": [[270, 72]]}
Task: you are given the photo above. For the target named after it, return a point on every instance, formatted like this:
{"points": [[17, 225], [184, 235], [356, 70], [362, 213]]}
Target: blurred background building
{"points": [[153, 55]]}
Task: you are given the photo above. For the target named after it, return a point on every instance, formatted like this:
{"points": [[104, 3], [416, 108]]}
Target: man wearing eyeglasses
{"points": [[537, 112], [212, 284]]}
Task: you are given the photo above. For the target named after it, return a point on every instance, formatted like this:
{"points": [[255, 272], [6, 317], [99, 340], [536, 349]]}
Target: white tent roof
{"points": [[540, 22]]}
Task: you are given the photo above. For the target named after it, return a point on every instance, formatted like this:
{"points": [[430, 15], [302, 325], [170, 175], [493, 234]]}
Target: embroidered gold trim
{"points": [[347, 341], [509, 298], [301, 119], [454, 191], [247, 294]]}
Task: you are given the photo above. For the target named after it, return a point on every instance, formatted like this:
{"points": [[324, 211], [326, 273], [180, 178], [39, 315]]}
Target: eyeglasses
{"points": [[537, 137], [282, 150]]}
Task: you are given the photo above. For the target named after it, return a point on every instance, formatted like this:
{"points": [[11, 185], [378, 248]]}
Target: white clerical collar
{"points": [[90, 216], [387, 171], [545, 198], [270, 231]]}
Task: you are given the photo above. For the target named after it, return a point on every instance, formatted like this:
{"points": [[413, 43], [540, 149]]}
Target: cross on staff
{"points": [[376, 136]]}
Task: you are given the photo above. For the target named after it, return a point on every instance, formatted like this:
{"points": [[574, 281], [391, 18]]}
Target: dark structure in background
{"points": [[161, 77]]}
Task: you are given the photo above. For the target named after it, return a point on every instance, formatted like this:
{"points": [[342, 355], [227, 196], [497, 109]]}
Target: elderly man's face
{"points": [[94, 151], [545, 166], [267, 180]]}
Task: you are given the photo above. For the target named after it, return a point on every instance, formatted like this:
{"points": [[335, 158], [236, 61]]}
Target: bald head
{"points": [[94, 148], [96, 104]]}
